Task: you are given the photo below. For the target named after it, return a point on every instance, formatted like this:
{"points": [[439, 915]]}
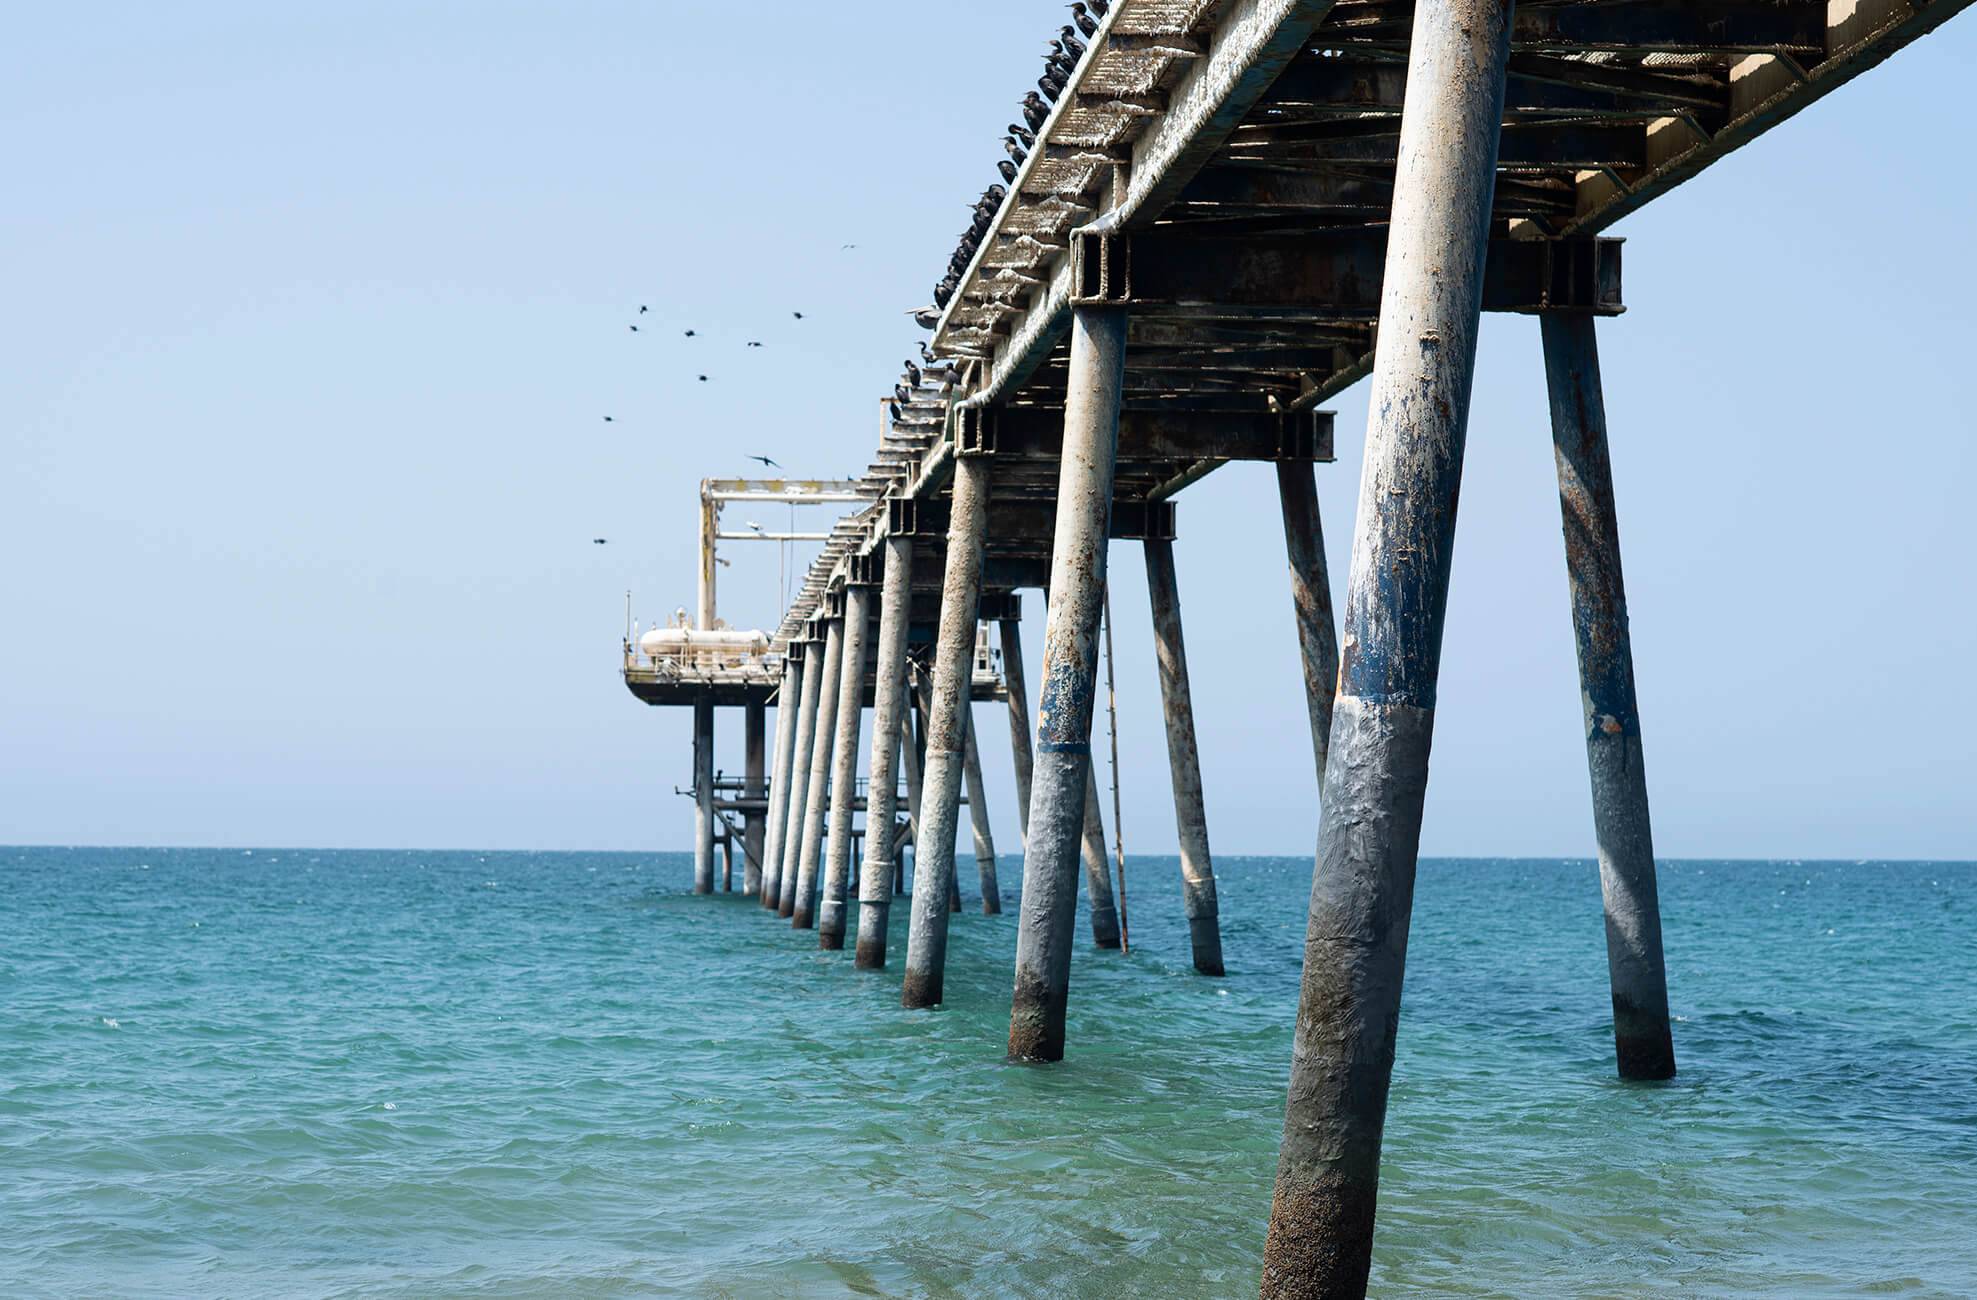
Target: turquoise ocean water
{"points": [[297, 1072]]}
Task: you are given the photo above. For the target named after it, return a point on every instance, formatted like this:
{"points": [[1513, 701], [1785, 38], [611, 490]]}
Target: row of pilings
{"points": [[1370, 693]]}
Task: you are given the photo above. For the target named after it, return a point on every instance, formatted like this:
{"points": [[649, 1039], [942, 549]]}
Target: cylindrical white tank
{"points": [[675, 640]]}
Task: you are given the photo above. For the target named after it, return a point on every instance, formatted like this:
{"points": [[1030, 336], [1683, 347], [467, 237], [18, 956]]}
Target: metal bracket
{"points": [[863, 570], [1582, 275], [1306, 436], [1101, 268], [975, 430]]}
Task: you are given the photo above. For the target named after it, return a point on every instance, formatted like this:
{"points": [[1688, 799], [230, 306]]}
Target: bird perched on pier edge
{"points": [[1003, 165], [1086, 23], [1035, 111]]}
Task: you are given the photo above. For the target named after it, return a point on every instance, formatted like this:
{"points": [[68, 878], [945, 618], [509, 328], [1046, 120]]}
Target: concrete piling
{"points": [[971, 766], [703, 796], [1103, 907], [954, 655], [1320, 1240], [1311, 599], [788, 703], [799, 788], [1011, 633], [1070, 667], [844, 767], [816, 805], [875, 880], [1183, 759], [1643, 1045], [754, 786]]}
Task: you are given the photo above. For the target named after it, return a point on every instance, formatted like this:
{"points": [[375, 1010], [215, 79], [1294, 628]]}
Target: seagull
{"points": [[641, 309], [751, 523], [608, 420], [797, 314], [842, 247], [772, 465], [689, 333], [703, 379], [634, 329], [754, 343], [597, 541]]}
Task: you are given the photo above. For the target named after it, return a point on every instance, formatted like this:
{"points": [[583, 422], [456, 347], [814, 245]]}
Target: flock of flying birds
{"points": [[1059, 64]]}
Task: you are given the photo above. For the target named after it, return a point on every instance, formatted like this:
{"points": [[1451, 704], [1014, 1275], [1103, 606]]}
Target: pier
{"points": [[1231, 213]]}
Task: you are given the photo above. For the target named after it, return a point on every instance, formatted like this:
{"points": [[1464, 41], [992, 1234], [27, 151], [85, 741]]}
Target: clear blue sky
{"points": [[313, 314]]}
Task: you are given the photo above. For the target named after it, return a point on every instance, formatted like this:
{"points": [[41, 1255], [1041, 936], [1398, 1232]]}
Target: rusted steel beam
{"points": [[882, 790], [788, 704], [1566, 145], [954, 653], [1320, 1241], [816, 806], [1674, 26], [971, 767], [1063, 758], [844, 766], [1036, 520], [703, 796], [1363, 83], [1643, 1045], [1037, 433], [1339, 274], [1184, 758], [755, 786], [1311, 601]]}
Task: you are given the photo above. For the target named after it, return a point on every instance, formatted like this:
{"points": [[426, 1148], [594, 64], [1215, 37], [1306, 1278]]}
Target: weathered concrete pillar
{"points": [[924, 692], [1355, 946], [909, 756], [1183, 759], [816, 801], [1311, 598], [754, 786], [703, 796], [1104, 908], [788, 701], [971, 765], [1070, 670], [1011, 631], [954, 657], [882, 794], [1641, 1039], [844, 767], [728, 863], [799, 787]]}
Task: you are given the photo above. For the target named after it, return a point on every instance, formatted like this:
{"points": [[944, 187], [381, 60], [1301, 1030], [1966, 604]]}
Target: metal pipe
{"points": [[1070, 666], [1183, 759], [1320, 1241], [804, 746], [788, 703], [954, 663], [1643, 1045], [844, 766], [703, 796], [754, 733], [803, 907], [1098, 870], [1118, 812], [1011, 631], [1311, 599], [971, 768], [882, 791]]}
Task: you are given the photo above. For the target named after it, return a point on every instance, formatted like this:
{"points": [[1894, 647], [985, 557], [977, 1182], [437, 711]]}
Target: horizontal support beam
{"points": [[1677, 26], [1536, 87], [1131, 520], [1338, 274], [1037, 433]]}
